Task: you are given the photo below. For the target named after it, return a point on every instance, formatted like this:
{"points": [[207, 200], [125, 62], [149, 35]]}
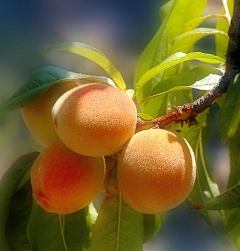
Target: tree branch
{"points": [[188, 112]]}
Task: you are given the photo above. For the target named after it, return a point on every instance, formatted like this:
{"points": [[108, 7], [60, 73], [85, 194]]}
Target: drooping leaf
{"points": [[95, 56], [185, 41], [225, 201], [40, 81], [118, 226], [229, 113], [55, 232], [19, 211], [197, 137], [8, 186], [181, 57]]}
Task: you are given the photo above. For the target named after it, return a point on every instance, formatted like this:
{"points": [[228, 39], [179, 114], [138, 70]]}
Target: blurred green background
{"points": [[121, 30]]}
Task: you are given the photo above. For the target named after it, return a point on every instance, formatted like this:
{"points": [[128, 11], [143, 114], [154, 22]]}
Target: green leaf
{"points": [[152, 224], [159, 105], [40, 81], [195, 22], [144, 116], [95, 56], [55, 232], [8, 186], [232, 222], [19, 211], [225, 201], [118, 226], [223, 25], [185, 41], [229, 113], [197, 137], [234, 154], [181, 57], [206, 83]]}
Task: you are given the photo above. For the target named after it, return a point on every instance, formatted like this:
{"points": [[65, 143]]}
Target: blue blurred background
{"points": [[121, 30]]}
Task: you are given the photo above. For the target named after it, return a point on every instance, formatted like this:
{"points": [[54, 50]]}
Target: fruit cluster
{"points": [[81, 124]]}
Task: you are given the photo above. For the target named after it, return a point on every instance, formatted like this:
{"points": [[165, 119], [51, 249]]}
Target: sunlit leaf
{"points": [[206, 83], [208, 58], [159, 47], [40, 81], [194, 23], [95, 56], [185, 41], [157, 106]]}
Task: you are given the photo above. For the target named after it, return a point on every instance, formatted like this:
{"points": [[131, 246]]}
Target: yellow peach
{"points": [[156, 171], [37, 115], [63, 181], [95, 119]]}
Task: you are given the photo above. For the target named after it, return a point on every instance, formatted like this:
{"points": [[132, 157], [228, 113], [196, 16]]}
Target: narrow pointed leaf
{"points": [[197, 137], [185, 41], [40, 81], [95, 56], [201, 75], [206, 83], [208, 58], [194, 23]]}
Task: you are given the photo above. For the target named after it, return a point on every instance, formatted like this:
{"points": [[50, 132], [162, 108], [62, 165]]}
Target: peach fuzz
{"points": [[37, 115], [95, 119], [63, 181], [156, 171]]}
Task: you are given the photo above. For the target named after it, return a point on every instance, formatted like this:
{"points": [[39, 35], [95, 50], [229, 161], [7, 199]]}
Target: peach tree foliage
{"points": [[163, 79]]}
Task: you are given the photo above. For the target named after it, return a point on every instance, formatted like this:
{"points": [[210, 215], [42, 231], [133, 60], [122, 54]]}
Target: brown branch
{"points": [[188, 112]]}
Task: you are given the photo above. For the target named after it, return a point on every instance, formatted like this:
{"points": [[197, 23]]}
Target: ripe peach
{"points": [[95, 119], [64, 181], [37, 115], [156, 171]]}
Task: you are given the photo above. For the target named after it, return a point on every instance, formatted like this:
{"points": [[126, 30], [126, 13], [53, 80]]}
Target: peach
{"points": [[156, 171], [95, 119], [63, 181], [37, 115]]}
